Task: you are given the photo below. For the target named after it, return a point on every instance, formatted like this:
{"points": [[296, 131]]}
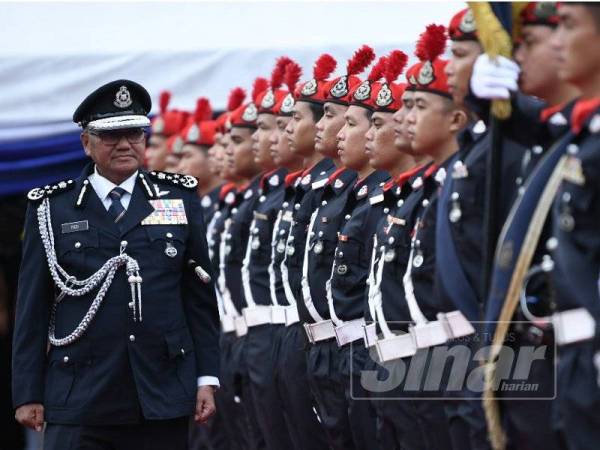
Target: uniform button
{"points": [[425, 203], [572, 149], [281, 232], [234, 211], [537, 149], [77, 244], [551, 244], [382, 248], [341, 254], [320, 233], [386, 210], [391, 240], [182, 351], [124, 243], [347, 216], [285, 204], [297, 206], [454, 196], [66, 359], [169, 235], [132, 338], [324, 202], [400, 203]]}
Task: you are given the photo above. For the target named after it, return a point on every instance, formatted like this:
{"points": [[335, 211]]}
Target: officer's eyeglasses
{"points": [[112, 137]]}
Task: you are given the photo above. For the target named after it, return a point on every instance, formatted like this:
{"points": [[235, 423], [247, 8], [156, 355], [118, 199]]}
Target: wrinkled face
{"points": [[261, 145], [429, 122], [352, 139], [240, 157], [328, 128], [117, 154], [460, 68], [195, 161], [401, 138], [156, 152], [380, 147], [300, 131], [280, 146], [577, 43], [538, 60]]}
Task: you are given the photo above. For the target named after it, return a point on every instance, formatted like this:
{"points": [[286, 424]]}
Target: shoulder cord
{"points": [[79, 288]]}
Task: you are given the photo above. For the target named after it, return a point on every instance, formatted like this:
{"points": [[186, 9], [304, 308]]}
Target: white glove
{"points": [[494, 79]]}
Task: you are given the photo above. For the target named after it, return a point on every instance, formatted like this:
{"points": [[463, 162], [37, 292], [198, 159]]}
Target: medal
{"points": [[255, 243], [318, 248], [342, 269], [455, 212], [389, 255], [291, 250], [280, 247], [418, 260]]}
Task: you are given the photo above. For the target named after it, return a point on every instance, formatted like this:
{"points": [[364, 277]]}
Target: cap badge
{"points": [[412, 80], [193, 133], [384, 96], [341, 87], [426, 76], [288, 104], [123, 98], [250, 113], [467, 24], [363, 92], [309, 88], [545, 10], [177, 145], [268, 100]]}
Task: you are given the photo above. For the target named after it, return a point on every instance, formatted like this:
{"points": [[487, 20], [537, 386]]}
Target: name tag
{"points": [[166, 212], [74, 226]]}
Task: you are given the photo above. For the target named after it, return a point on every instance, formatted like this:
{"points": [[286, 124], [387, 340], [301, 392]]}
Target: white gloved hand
{"points": [[494, 79]]}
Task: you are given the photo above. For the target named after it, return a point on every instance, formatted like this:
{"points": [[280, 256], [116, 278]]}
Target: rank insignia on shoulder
{"points": [[573, 172], [37, 194], [175, 179]]}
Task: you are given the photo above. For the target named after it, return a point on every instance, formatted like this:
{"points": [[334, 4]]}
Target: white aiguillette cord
{"points": [[416, 314], [271, 268], [76, 288], [306, 295], [246, 271], [222, 280]]}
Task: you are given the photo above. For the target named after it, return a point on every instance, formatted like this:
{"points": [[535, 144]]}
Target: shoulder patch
{"points": [[38, 194], [174, 179]]}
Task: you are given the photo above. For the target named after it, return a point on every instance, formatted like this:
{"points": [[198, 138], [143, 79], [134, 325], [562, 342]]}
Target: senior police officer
{"points": [[116, 338]]}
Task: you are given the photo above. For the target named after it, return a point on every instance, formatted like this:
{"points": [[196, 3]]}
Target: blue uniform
{"points": [[120, 370]]}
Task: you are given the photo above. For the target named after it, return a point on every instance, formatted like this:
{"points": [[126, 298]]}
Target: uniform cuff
{"points": [[208, 381]]}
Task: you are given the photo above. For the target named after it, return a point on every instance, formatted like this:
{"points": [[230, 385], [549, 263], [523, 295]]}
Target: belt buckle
{"points": [[291, 315], [429, 334], [457, 325], [308, 331], [396, 347], [370, 334], [227, 323], [277, 314], [241, 328]]}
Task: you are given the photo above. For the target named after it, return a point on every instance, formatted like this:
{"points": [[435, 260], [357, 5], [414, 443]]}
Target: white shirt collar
{"points": [[103, 186]]}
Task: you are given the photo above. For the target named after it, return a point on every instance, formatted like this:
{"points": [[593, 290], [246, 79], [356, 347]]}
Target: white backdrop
{"points": [[53, 54]]}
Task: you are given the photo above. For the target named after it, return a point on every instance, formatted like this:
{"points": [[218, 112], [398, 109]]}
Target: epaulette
{"points": [[38, 194], [175, 179]]}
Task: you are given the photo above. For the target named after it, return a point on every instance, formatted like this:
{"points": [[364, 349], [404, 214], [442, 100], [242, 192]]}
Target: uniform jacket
{"points": [[119, 370]]}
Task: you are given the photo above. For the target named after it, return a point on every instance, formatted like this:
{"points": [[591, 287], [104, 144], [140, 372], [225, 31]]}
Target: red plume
{"points": [[203, 110], [360, 60], [236, 98], [165, 98], [293, 72], [260, 85], [432, 42], [278, 73], [324, 66], [396, 63], [378, 69]]}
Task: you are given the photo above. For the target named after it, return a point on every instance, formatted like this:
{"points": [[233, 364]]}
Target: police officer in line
{"points": [[116, 340]]}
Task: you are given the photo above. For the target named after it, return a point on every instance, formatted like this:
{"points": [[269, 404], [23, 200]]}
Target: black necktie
{"points": [[116, 210]]}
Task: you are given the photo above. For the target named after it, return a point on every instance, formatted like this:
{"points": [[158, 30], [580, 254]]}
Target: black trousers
{"points": [[268, 406], [148, 435], [292, 382]]}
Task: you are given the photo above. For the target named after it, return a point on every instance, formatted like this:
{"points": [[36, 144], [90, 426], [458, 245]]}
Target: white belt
{"points": [[241, 329], [227, 323], [370, 335], [574, 325], [449, 326], [291, 315], [257, 315], [278, 314], [349, 332], [319, 331]]}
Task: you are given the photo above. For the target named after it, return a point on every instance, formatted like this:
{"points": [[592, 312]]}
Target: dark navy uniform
{"points": [[259, 314], [394, 245], [576, 271], [289, 351], [210, 204], [120, 370]]}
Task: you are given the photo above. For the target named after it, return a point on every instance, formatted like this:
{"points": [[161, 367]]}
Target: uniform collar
{"points": [[582, 111], [103, 186], [272, 179], [290, 178], [362, 188]]}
